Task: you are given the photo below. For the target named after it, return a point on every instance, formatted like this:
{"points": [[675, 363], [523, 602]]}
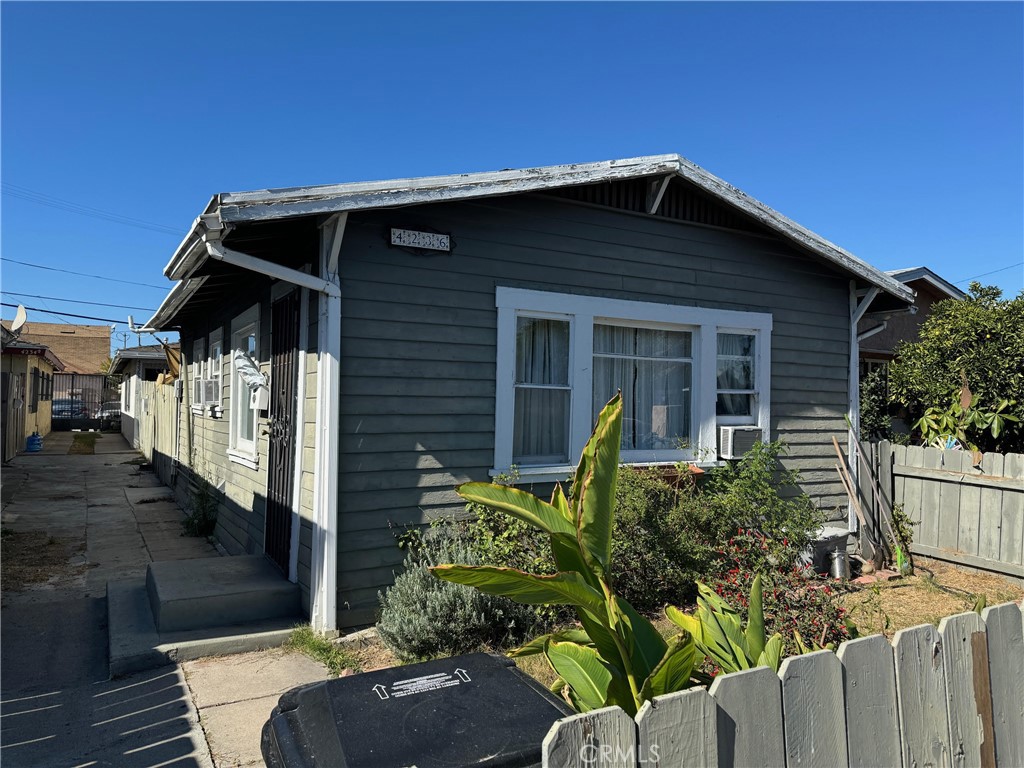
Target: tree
{"points": [[980, 338]]}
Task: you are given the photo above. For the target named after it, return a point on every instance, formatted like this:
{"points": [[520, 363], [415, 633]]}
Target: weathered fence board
{"points": [[963, 512], [1004, 627], [946, 698], [921, 696], [604, 738], [750, 730], [678, 729], [812, 710], [872, 720], [968, 691]]}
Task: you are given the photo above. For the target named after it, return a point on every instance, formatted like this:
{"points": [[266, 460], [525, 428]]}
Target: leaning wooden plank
{"points": [[1005, 629], [750, 730], [1011, 545], [872, 720], [812, 710], [678, 729], [989, 527], [968, 691], [603, 738], [921, 695]]}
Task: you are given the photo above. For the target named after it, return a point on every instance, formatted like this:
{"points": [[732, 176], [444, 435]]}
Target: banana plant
{"points": [[616, 657], [718, 631]]}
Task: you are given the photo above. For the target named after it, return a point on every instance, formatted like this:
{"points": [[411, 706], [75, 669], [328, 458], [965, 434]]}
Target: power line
{"points": [[85, 274], [985, 274], [24, 193], [77, 301], [64, 314]]}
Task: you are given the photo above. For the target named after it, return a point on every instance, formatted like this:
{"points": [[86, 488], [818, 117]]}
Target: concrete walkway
{"points": [[57, 704]]}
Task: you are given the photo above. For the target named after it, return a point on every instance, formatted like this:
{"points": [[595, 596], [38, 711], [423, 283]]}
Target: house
{"points": [[133, 365], [879, 333], [352, 352], [26, 371], [82, 348]]}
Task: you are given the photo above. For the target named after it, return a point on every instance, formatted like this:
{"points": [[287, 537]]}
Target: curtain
{"points": [[735, 371], [651, 368], [542, 393]]}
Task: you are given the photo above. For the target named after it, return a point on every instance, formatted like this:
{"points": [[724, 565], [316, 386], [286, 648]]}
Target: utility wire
{"points": [[985, 274], [85, 274], [65, 314], [24, 193], [77, 301]]}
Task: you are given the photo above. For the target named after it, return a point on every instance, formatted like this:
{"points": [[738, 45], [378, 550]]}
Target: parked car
{"points": [[109, 414], [69, 409]]}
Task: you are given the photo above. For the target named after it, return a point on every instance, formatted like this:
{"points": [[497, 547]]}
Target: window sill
{"points": [[553, 474], [249, 460]]}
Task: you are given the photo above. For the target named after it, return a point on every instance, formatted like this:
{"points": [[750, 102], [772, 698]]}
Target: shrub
{"points": [[875, 422], [423, 617]]}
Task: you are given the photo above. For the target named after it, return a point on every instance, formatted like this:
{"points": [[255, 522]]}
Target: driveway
{"points": [[68, 527]]}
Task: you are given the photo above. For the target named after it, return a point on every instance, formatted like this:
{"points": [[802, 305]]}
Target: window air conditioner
{"points": [[733, 442]]}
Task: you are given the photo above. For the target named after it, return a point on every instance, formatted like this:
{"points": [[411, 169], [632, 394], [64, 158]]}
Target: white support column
{"points": [[299, 426], [857, 310], [324, 613]]}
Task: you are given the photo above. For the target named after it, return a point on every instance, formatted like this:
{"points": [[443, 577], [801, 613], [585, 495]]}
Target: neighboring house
{"points": [[82, 348], [880, 332], [353, 352], [27, 372], [134, 365]]}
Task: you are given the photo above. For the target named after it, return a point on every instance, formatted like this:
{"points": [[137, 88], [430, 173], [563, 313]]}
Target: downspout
{"points": [[324, 590], [857, 312]]}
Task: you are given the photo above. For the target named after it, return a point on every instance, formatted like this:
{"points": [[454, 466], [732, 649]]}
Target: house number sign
{"points": [[431, 241]]}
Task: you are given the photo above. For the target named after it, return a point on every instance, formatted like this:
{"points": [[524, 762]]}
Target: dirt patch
{"points": [[936, 590], [371, 654], [84, 444], [32, 557]]}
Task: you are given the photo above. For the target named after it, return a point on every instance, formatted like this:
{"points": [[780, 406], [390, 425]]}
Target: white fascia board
{"points": [[178, 295]]}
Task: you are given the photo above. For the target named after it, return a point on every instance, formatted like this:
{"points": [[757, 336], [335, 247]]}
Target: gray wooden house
{"points": [[353, 352]]}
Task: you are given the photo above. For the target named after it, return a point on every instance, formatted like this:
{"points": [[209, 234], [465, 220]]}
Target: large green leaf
{"points": [[559, 502], [673, 671], [645, 645], [710, 600], [565, 550], [596, 492], [521, 504], [723, 641], [755, 620], [691, 624], [772, 654], [536, 645], [594, 682], [561, 588], [595, 625]]}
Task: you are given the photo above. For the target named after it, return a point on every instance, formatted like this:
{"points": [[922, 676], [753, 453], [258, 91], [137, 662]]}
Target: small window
{"points": [[243, 417], [214, 370], [736, 378], [542, 392]]}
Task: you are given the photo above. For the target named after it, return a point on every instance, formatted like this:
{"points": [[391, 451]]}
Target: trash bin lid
{"points": [[476, 710]]}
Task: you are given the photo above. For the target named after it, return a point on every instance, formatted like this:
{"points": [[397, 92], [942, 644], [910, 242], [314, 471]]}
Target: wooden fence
{"points": [[949, 698], [964, 512], [156, 424]]}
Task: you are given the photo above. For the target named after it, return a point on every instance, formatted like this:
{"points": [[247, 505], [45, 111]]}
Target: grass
{"points": [[84, 443], [319, 648]]}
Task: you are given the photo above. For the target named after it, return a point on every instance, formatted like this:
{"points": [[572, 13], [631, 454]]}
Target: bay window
{"points": [[682, 371]]}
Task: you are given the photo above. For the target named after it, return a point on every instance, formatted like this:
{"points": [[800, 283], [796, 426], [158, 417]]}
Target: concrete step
{"points": [[219, 591], [135, 644]]}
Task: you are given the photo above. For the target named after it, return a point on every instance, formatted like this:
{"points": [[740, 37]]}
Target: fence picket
{"points": [[989, 524], [1004, 625], [1011, 546], [603, 738], [969, 508], [921, 697], [947, 510], [678, 729], [872, 721], [749, 726], [812, 710], [968, 691]]}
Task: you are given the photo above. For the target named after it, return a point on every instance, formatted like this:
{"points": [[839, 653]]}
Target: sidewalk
{"points": [[112, 518]]}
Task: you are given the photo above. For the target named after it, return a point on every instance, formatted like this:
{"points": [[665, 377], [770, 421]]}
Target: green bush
{"points": [[875, 422], [423, 617]]}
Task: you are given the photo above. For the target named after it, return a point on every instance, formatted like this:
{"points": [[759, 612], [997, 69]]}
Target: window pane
{"points": [[733, 405], [541, 434], [642, 342], [542, 351], [656, 400], [735, 374], [736, 344]]}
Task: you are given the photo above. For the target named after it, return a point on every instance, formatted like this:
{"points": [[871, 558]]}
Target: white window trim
{"points": [[583, 312], [215, 369], [240, 451], [198, 361]]}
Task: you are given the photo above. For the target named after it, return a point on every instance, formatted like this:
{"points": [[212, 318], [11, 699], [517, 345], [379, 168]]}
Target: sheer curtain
{"points": [[653, 370], [542, 393], [735, 372]]}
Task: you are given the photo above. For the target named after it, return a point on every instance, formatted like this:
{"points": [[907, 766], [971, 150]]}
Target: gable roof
{"points": [[231, 208], [911, 274], [146, 352]]}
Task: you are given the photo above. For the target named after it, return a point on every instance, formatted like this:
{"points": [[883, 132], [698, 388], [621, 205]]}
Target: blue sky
{"points": [[896, 130]]}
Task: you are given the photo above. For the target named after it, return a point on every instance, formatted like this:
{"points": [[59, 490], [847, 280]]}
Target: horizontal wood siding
{"points": [[419, 348]]}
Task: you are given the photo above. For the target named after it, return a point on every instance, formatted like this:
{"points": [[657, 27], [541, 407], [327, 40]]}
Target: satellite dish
{"points": [[19, 319]]}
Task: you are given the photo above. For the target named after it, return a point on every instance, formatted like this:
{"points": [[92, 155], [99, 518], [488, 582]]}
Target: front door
{"points": [[281, 455]]}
